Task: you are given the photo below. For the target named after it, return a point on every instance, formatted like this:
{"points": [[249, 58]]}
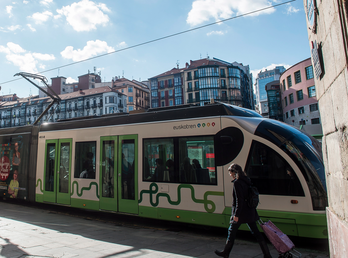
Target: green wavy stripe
{"points": [[209, 205], [84, 189], [37, 184]]}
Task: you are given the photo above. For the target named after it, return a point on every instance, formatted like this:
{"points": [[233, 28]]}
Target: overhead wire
{"points": [[157, 39]]}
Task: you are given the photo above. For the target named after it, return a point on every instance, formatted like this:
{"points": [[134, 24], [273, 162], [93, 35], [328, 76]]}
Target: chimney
{"points": [[80, 91]]}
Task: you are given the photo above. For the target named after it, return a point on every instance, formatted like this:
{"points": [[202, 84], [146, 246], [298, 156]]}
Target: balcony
{"points": [[196, 88], [121, 106], [100, 104], [188, 78], [189, 89], [236, 98], [189, 101]]}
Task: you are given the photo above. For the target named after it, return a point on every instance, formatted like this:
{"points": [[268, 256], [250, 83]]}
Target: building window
{"points": [[130, 99], [162, 94], [302, 122], [309, 72], [170, 93], [292, 112], [301, 110], [297, 77], [130, 108], [284, 86], [170, 102], [189, 86], [196, 85], [287, 115], [286, 101], [299, 94], [291, 98], [189, 77], [313, 107], [223, 83], [130, 89], [289, 81], [315, 121], [311, 92]]}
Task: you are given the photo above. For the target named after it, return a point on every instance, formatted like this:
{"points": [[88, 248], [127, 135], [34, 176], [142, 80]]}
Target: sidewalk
{"points": [[32, 232]]}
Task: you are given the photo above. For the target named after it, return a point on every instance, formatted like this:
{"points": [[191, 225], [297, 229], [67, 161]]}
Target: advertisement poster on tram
{"points": [[13, 166]]}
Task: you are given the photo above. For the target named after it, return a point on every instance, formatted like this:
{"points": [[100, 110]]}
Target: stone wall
{"points": [[332, 94]]}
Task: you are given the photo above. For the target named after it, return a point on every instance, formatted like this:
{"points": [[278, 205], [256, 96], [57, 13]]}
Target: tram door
{"points": [[118, 174], [57, 171]]}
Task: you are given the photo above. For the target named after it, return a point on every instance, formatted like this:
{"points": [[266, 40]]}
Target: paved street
{"points": [[33, 232]]}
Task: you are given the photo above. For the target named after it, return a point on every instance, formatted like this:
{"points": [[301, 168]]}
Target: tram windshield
{"points": [[304, 151]]}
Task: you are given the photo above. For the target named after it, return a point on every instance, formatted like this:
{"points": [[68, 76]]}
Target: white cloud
{"points": [[270, 67], [44, 57], [70, 80], [216, 32], [15, 48], [14, 27], [9, 10], [46, 2], [122, 45], [85, 15], [292, 9], [26, 61], [41, 17], [203, 10], [92, 48], [31, 27], [25, 2]]}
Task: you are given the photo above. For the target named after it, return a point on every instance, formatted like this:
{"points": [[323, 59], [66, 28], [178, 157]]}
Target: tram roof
{"points": [[152, 115]]}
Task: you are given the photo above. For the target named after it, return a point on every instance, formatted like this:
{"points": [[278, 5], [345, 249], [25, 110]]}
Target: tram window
{"points": [[157, 154], [180, 160], [85, 160], [271, 173], [197, 160]]}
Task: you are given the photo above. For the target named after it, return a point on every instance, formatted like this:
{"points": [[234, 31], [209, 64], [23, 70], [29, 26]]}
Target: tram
{"points": [[169, 164]]}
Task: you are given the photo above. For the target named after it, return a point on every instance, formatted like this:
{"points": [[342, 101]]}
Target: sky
{"points": [[53, 38]]}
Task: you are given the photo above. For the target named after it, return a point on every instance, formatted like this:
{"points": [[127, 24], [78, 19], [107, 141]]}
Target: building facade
{"points": [[201, 81], [327, 28], [299, 101], [274, 100], [91, 102], [138, 93], [261, 80]]}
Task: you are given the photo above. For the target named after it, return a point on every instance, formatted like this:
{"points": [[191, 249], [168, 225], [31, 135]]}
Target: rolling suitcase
{"points": [[279, 240]]}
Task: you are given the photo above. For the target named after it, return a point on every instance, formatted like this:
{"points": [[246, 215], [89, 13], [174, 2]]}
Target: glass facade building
{"points": [[202, 81], [262, 79]]}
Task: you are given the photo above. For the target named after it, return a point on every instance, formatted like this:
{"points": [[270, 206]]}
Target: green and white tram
{"points": [[171, 164]]}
